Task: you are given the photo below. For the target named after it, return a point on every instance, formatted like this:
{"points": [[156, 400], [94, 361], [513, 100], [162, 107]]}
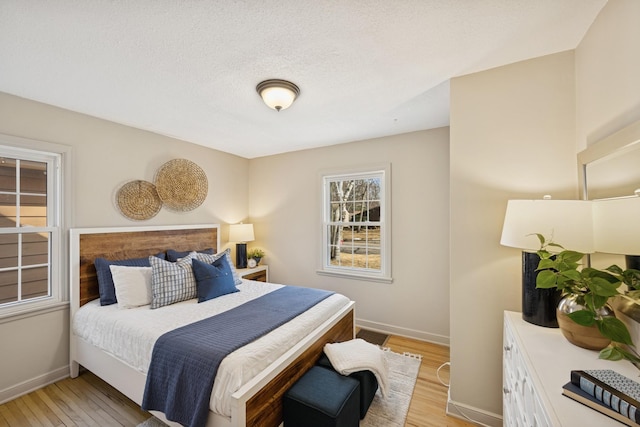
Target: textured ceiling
{"points": [[188, 68]]}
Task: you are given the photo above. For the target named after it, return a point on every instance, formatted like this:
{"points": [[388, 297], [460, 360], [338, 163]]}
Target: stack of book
{"points": [[607, 392]]}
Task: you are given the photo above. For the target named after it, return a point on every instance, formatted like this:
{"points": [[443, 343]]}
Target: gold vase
{"points": [[588, 337]]}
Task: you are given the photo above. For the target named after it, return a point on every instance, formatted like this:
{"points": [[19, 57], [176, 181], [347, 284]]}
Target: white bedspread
{"points": [[129, 334]]}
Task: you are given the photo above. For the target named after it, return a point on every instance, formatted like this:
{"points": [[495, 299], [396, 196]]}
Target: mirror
{"points": [[616, 175], [611, 168]]}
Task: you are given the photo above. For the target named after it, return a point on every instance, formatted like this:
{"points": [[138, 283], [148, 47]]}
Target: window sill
{"points": [[11, 315], [355, 276]]}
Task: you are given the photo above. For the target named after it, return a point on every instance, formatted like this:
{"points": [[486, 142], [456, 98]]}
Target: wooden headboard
{"points": [[119, 243]]}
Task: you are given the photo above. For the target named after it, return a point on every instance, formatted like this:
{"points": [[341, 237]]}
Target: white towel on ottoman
{"points": [[358, 355]]}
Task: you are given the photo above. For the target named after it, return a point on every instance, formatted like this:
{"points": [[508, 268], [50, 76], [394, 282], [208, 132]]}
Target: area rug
{"points": [[392, 411], [389, 412], [376, 338]]}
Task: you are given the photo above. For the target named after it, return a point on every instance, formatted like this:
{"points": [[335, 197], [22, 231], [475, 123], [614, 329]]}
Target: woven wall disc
{"points": [[181, 184], [138, 200]]}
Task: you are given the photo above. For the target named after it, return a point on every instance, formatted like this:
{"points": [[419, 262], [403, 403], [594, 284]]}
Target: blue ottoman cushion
{"points": [[322, 398], [368, 384]]}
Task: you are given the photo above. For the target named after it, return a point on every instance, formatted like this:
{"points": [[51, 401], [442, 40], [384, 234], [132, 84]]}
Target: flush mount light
{"points": [[278, 94]]}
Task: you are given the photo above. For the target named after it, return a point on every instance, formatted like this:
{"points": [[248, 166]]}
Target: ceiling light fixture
{"points": [[278, 94]]}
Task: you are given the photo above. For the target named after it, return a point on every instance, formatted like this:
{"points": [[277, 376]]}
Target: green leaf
{"points": [[543, 254], [562, 265], [631, 278], [611, 353], [570, 256], [546, 279], [594, 302], [592, 272], [628, 355], [572, 275], [614, 352], [583, 317], [613, 328], [546, 264], [614, 269], [541, 239], [603, 288]]}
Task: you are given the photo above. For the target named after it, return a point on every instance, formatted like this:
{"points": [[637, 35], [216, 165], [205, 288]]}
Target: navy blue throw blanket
{"points": [[185, 361]]}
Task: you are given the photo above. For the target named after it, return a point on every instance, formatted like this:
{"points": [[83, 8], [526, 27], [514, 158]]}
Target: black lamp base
{"points": [[241, 255], [538, 305], [633, 261]]}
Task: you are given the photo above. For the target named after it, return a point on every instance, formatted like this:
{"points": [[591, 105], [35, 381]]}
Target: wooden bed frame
{"points": [[257, 403]]}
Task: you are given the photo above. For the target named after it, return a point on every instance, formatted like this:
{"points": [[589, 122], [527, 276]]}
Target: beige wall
{"points": [[105, 155], [608, 73], [512, 133], [515, 134], [285, 208]]}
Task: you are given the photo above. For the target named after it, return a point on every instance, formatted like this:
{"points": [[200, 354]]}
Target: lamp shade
{"points": [[278, 94], [616, 225], [241, 233], [565, 222]]}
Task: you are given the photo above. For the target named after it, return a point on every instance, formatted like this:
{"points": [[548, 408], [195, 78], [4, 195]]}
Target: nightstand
{"points": [[259, 273]]}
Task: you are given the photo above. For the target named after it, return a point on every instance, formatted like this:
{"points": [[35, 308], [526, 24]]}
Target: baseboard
{"points": [[404, 332], [28, 386], [475, 415]]}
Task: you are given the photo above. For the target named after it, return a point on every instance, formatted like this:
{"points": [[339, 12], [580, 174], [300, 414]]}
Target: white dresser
{"points": [[537, 362]]}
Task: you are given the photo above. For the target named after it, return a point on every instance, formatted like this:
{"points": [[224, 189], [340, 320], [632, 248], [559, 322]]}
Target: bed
{"points": [[257, 402]]}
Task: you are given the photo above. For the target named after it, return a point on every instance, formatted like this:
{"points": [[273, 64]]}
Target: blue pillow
{"points": [[105, 280], [213, 280], [210, 259], [174, 256]]}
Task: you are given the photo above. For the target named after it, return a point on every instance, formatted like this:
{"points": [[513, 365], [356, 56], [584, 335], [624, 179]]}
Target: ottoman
{"points": [[322, 398], [368, 384]]}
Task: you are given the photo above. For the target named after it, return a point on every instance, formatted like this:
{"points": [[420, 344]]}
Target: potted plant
{"points": [[587, 293], [257, 254]]}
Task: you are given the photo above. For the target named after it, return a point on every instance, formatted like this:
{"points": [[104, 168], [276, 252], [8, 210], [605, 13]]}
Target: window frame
{"points": [[57, 156], [325, 268]]}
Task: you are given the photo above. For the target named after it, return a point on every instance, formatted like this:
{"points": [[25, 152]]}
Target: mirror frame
{"points": [[623, 139]]}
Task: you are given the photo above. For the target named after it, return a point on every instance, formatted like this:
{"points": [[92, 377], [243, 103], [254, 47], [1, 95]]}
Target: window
{"points": [[30, 244], [356, 230]]}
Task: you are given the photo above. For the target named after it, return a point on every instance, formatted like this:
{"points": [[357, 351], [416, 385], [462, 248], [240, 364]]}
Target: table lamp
{"points": [[241, 233], [565, 222], [616, 227]]}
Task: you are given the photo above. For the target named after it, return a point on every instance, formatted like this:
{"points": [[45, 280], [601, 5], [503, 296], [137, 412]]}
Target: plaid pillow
{"points": [[171, 282], [210, 259]]}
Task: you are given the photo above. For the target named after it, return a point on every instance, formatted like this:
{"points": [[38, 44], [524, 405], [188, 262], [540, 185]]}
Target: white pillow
{"points": [[133, 285]]}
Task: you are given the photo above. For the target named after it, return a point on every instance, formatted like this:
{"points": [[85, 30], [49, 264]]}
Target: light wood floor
{"points": [[429, 400], [89, 401]]}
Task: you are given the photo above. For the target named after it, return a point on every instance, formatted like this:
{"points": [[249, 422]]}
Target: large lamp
{"points": [[616, 227], [241, 233], [278, 94], [566, 222]]}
